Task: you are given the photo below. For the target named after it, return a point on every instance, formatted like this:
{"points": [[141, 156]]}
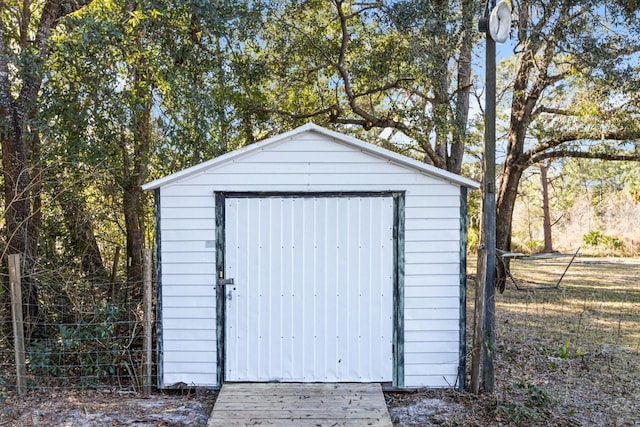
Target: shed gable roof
{"points": [[356, 144]]}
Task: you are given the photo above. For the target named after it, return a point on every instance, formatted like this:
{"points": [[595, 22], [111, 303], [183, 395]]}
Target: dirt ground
{"points": [[87, 408], [564, 357], [92, 408]]}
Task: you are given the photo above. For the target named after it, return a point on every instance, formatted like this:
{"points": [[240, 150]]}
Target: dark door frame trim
{"points": [[398, 268]]}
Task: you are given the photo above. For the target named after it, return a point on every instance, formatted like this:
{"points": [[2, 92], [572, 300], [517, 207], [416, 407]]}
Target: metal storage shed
{"points": [[311, 257]]}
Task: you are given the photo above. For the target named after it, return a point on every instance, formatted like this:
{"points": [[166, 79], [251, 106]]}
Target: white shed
{"points": [[311, 257]]}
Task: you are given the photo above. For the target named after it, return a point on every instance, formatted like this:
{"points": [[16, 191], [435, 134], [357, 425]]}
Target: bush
{"points": [[473, 239], [592, 238], [596, 238], [91, 351], [612, 242]]}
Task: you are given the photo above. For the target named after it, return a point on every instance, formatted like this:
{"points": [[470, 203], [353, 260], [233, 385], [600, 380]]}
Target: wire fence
{"points": [[574, 348], [88, 334], [596, 304], [77, 334]]}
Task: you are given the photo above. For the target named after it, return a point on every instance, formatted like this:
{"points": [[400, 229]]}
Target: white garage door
{"points": [[312, 298]]}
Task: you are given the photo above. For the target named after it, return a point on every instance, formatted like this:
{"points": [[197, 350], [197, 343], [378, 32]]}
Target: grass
{"points": [[597, 303], [569, 355]]}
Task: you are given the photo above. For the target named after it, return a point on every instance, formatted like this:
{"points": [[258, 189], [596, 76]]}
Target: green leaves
{"points": [[373, 65]]}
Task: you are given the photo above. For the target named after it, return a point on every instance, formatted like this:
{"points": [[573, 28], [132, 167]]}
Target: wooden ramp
{"points": [[300, 404]]}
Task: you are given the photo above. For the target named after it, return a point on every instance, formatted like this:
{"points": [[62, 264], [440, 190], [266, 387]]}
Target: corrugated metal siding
{"points": [[431, 228], [312, 299]]}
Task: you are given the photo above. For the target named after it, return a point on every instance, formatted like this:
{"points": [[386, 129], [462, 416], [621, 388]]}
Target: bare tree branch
{"points": [[614, 135], [363, 8], [551, 110], [392, 85], [331, 111], [368, 120], [560, 153]]}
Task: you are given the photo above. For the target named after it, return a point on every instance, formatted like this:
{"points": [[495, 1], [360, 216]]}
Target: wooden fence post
{"points": [[148, 325], [115, 288], [478, 324], [15, 284]]}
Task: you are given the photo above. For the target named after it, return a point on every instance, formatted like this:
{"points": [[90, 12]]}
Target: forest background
{"points": [[98, 97]]}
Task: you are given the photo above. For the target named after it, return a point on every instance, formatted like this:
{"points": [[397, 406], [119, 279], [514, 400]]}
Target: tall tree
{"points": [[147, 89], [25, 28], [546, 213], [568, 54], [403, 66]]}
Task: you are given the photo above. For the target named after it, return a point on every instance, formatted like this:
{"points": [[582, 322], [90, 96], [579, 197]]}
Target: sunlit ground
{"points": [[596, 303], [580, 343]]}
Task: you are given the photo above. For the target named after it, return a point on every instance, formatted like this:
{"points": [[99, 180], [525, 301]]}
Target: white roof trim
{"points": [[361, 145]]}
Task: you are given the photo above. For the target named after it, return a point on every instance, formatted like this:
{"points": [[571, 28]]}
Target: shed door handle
{"points": [[222, 282]]}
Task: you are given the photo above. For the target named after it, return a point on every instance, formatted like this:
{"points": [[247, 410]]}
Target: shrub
{"points": [[592, 238]]}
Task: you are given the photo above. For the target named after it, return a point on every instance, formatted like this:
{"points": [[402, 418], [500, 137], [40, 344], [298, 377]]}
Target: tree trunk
{"points": [[15, 159], [505, 203], [546, 223], [17, 134], [16, 185], [18, 216], [17, 182], [135, 160], [36, 205], [133, 217], [454, 160], [83, 243]]}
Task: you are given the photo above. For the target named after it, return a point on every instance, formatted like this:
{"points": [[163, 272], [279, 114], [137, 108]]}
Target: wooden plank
{"points": [[277, 397], [15, 283], [307, 387], [293, 402], [308, 422], [300, 394], [300, 404], [148, 323], [263, 411], [283, 398]]}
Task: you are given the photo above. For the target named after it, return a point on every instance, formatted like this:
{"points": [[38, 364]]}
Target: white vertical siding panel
{"points": [[318, 308], [232, 270], [322, 289], [368, 241], [340, 301], [300, 335]]}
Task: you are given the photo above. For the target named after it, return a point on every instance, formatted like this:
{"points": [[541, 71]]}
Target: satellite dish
{"points": [[500, 22]]}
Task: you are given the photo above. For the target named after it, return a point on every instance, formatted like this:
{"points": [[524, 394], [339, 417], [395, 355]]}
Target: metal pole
{"points": [[489, 213]]}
